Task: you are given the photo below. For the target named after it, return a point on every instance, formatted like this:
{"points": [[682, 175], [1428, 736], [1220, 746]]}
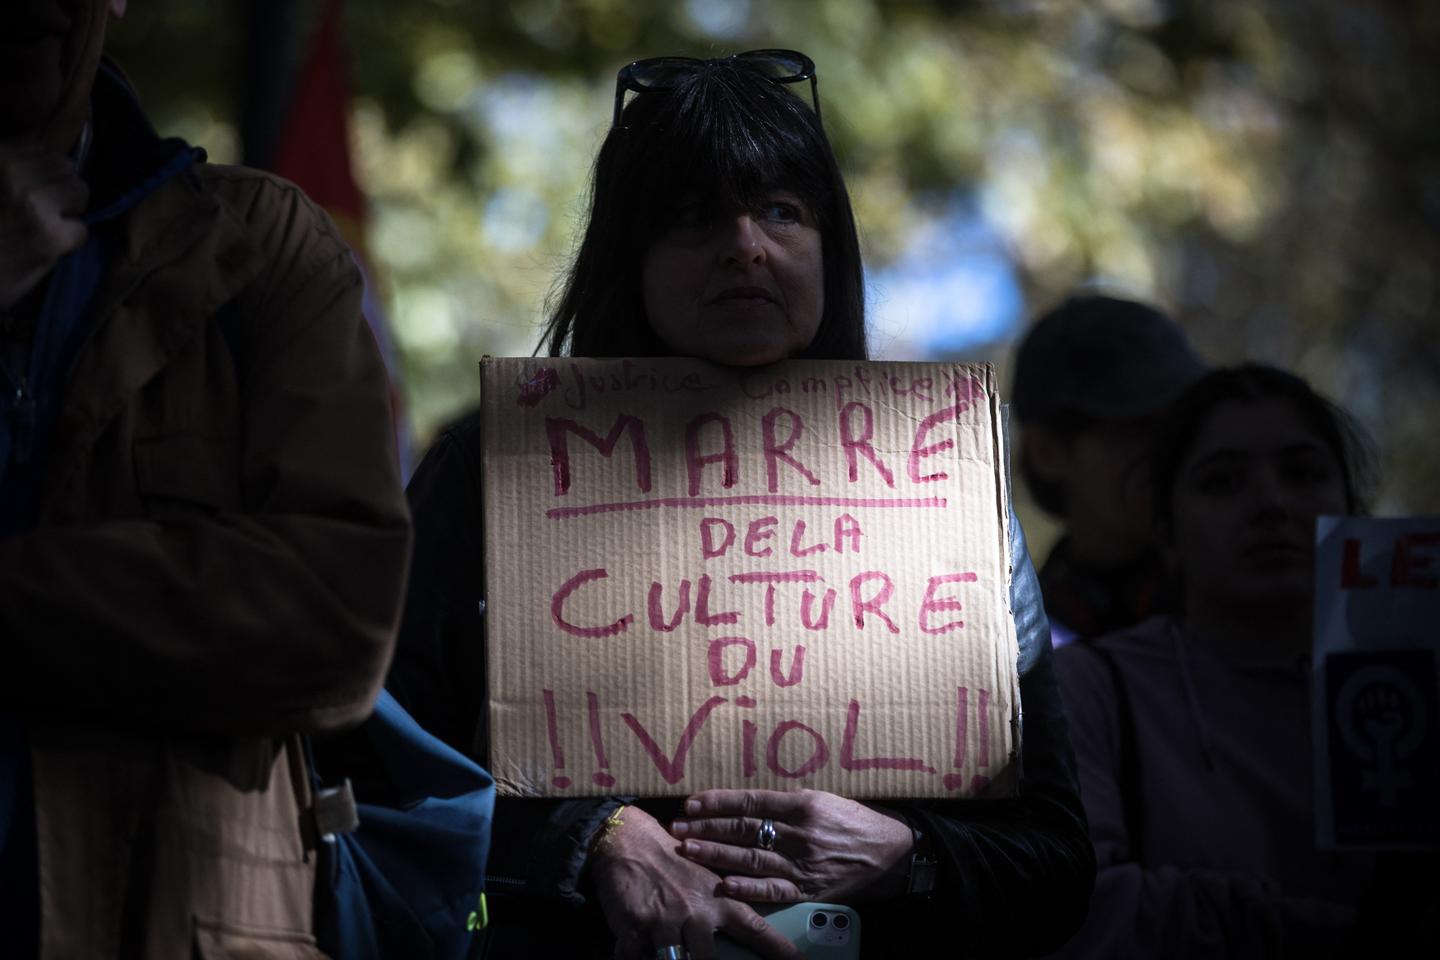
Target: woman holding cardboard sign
{"points": [[721, 229]]}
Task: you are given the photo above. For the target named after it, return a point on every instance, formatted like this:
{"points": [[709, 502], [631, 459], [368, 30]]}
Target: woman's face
{"points": [[1245, 502], [737, 287]]}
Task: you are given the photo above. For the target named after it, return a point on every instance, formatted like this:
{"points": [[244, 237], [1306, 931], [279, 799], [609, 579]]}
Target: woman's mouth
{"points": [[743, 293], [1277, 552]]}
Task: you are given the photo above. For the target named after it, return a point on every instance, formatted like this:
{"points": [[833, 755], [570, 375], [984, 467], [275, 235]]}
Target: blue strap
{"points": [[184, 159]]}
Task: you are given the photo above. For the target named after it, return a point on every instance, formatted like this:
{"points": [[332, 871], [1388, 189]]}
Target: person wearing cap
{"points": [[1090, 378]]}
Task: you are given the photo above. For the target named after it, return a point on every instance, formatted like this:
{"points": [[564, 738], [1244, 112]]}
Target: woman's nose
{"points": [[1268, 497], [743, 241]]}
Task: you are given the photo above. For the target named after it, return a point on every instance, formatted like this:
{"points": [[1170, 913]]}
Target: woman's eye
{"points": [[782, 211], [1218, 483], [692, 217], [1308, 473]]}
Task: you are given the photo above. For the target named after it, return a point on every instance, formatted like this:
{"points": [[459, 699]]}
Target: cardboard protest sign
{"points": [[1377, 669], [795, 576]]}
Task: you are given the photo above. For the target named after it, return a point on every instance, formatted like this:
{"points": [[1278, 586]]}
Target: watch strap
{"points": [[924, 865]]}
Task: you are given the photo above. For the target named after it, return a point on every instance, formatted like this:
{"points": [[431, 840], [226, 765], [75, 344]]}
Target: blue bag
{"points": [[408, 880]]}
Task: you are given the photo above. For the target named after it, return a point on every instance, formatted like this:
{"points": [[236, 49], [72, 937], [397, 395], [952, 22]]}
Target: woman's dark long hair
{"points": [[723, 135], [1250, 383]]}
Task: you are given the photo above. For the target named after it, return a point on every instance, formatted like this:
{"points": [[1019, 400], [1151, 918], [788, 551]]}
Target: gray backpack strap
{"points": [[324, 811]]}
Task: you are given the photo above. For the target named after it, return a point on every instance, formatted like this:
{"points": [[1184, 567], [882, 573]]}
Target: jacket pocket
{"points": [[225, 941], [186, 473]]}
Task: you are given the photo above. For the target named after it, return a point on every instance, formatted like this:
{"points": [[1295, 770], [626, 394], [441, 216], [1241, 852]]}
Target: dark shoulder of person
{"points": [[438, 672]]}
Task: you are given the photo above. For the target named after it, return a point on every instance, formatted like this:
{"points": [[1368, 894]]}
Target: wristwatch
{"points": [[924, 865]]}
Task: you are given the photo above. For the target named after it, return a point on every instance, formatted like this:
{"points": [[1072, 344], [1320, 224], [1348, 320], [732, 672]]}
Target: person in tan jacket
{"points": [[203, 538]]}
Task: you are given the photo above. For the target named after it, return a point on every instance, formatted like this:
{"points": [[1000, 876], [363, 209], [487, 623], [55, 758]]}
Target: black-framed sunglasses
{"points": [[659, 73]]}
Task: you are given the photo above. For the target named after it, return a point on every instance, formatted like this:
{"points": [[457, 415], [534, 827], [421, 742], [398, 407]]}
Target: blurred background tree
{"points": [[1267, 170]]}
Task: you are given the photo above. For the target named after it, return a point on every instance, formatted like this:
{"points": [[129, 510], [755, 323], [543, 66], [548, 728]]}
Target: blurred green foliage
{"points": [[1268, 170]]}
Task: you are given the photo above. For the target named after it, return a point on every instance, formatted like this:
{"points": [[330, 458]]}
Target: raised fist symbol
{"points": [[1382, 721]]}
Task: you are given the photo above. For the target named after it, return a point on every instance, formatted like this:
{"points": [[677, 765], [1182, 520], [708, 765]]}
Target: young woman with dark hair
{"points": [[720, 228], [1256, 385], [1193, 732]]}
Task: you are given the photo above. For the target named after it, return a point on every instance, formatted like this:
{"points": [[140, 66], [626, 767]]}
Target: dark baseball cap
{"points": [[1103, 358]]}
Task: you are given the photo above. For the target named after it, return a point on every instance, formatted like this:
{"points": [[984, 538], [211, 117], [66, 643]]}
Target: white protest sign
{"points": [[1377, 669], [792, 576]]}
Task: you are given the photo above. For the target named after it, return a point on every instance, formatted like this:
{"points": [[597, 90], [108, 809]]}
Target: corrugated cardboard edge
{"points": [[1017, 714], [481, 746]]}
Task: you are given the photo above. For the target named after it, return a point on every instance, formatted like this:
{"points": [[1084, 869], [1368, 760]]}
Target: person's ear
{"points": [[117, 8], [1046, 452]]}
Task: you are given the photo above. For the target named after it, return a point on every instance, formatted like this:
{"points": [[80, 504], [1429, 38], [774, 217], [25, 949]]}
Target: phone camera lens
{"points": [[818, 919], [841, 921]]}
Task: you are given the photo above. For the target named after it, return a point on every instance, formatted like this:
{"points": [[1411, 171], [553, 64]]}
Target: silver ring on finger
{"points": [[765, 836], [675, 952]]}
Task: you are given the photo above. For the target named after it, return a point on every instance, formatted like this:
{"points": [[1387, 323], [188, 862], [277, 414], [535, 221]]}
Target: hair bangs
{"points": [[726, 137]]}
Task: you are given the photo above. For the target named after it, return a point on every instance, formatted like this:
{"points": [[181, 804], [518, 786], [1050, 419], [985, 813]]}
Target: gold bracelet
{"points": [[607, 830]]}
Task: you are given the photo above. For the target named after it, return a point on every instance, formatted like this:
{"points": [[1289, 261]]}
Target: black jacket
{"points": [[1015, 874]]}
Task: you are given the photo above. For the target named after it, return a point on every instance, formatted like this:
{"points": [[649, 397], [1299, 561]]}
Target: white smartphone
{"points": [[822, 931]]}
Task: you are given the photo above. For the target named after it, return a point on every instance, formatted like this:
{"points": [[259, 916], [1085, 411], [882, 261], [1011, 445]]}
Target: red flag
{"points": [[314, 154]]}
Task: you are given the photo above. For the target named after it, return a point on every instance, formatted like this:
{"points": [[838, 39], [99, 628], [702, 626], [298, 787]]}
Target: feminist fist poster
{"points": [[794, 576], [1377, 673]]}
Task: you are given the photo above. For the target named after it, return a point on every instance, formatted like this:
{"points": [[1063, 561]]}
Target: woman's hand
{"points": [[825, 847], [653, 898]]}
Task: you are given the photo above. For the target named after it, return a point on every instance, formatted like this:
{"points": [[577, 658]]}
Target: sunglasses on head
{"points": [[660, 73]]}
